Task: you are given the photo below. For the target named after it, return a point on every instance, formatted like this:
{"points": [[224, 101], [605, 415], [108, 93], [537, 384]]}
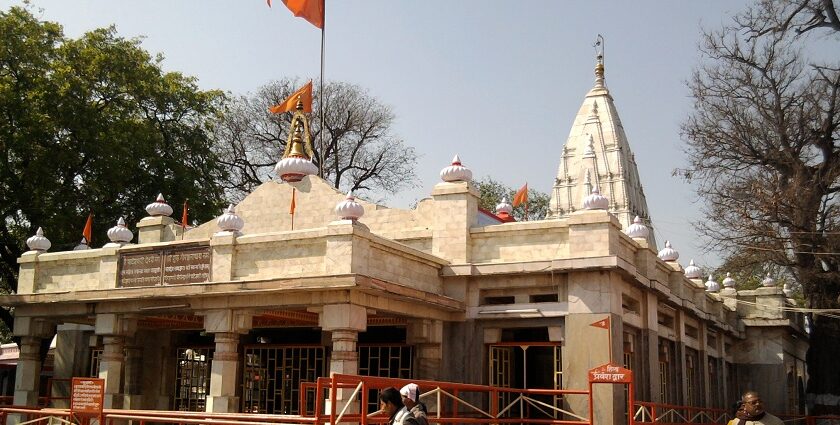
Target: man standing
{"points": [[753, 411], [411, 399]]}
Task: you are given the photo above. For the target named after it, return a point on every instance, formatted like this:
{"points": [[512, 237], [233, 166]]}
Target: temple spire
{"points": [[597, 155]]}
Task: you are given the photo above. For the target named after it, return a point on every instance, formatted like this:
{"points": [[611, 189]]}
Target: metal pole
{"points": [[321, 97]]}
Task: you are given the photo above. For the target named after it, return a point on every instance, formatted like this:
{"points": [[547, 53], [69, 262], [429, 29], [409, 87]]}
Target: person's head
{"points": [[410, 395], [752, 403], [738, 406], [390, 401]]}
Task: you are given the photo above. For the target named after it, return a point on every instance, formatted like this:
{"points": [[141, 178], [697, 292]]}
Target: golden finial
{"points": [[299, 143]]}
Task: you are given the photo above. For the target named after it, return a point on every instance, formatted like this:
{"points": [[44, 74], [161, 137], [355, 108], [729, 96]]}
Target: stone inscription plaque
{"points": [[186, 266], [140, 269], [173, 266]]}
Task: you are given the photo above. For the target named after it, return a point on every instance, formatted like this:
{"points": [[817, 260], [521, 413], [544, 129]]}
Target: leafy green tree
{"points": [[492, 192], [93, 124]]}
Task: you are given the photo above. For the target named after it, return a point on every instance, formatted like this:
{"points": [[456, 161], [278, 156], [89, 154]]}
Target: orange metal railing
{"points": [[647, 413], [665, 414], [449, 402]]}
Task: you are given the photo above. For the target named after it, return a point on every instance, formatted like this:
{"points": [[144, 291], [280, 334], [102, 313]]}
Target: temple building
{"points": [[230, 316]]}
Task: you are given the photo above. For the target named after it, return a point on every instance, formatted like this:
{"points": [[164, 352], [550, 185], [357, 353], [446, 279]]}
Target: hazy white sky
{"points": [[498, 82]]}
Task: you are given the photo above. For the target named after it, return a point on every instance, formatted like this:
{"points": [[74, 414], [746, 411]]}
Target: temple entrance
{"points": [[272, 375], [532, 365]]}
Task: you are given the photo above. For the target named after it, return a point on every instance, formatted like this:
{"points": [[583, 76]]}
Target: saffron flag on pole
{"points": [[603, 324], [292, 205], [311, 10], [87, 232], [184, 217], [521, 196], [304, 94]]}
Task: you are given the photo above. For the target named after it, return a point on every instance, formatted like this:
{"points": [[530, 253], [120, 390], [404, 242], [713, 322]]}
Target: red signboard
{"points": [[610, 374], [86, 396]]}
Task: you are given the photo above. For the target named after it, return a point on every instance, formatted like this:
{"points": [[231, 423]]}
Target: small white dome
{"points": [[294, 168], [638, 230], [39, 242], [349, 209], [595, 201], [711, 285], [229, 221], [728, 281], [120, 233], [159, 207], [692, 271], [456, 172], [668, 253], [768, 281], [83, 245], [504, 206], [786, 290]]}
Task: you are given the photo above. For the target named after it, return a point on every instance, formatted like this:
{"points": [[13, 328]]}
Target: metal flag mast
{"points": [[322, 107]]}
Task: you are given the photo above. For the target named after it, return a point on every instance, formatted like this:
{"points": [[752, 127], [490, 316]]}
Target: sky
{"points": [[497, 82]]}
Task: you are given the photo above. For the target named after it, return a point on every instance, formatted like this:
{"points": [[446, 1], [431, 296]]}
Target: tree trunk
{"points": [[822, 359]]}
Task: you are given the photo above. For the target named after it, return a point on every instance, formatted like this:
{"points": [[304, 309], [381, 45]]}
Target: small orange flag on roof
{"points": [[603, 324], [305, 95], [87, 232], [311, 10], [521, 196]]}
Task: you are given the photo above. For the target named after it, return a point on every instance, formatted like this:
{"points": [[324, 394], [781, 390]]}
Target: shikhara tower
{"points": [[597, 155]]}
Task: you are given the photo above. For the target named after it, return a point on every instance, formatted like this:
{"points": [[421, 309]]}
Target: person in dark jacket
{"points": [[411, 398], [391, 403]]}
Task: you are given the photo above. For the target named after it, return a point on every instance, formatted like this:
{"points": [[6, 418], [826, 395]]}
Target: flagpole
{"points": [[321, 101], [526, 201], [609, 335]]}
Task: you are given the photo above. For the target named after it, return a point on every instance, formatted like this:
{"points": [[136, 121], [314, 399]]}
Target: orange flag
{"points": [[311, 10], [305, 95], [603, 324], [521, 196], [292, 205], [87, 232], [184, 216]]}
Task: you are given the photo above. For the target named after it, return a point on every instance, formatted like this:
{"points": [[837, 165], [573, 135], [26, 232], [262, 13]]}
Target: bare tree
{"points": [[796, 16], [360, 152], [764, 147]]}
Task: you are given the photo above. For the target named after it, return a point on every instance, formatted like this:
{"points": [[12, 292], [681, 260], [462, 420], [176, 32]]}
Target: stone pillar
{"points": [[593, 296], [71, 359], [227, 325], [155, 229], [426, 335], [652, 336], [111, 368], [455, 212], [114, 329], [27, 376], [344, 321]]}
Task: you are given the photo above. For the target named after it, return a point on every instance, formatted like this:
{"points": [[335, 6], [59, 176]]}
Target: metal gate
{"points": [[192, 378], [524, 365], [272, 375]]}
